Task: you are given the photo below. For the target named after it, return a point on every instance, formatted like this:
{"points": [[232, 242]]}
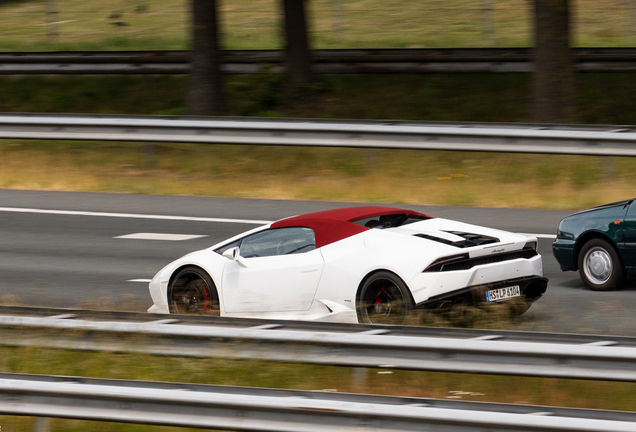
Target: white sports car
{"points": [[360, 264]]}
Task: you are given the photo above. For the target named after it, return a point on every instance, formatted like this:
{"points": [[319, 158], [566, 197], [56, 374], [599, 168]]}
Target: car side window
{"points": [[281, 241]]}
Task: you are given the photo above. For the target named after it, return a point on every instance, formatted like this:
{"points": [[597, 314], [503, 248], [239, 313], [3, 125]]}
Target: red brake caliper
{"points": [[378, 299], [206, 299]]}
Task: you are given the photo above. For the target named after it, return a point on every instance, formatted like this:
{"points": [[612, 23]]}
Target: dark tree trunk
{"points": [[205, 92], [553, 85], [296, 42]]}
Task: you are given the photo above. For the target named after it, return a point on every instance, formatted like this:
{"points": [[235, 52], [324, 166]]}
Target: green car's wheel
{"points": [[600, 266]]}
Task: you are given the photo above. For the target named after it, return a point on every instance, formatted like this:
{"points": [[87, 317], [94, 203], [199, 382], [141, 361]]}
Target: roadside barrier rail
{"points": [[258, 409], [482, 137], [481, 352], [338, 61]]}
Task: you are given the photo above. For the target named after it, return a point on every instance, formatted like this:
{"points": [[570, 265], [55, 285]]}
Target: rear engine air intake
{"points": [[470, 239], [463, 262]]}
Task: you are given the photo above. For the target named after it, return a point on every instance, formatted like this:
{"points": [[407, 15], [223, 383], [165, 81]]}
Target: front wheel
{"points": [[383, 299], [600, 266], [193, 292]]}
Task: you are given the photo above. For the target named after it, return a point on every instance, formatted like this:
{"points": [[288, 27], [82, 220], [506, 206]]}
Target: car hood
{"points": [[454, 236], [597, 219], [603, 207]]}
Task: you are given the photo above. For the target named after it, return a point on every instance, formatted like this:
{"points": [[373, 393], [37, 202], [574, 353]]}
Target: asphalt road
{"points": [[62, 250]]}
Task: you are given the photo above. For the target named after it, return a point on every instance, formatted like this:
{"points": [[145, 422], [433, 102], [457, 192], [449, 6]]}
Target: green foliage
{"points": [[257, 95], [602, 98], [117, 94]]}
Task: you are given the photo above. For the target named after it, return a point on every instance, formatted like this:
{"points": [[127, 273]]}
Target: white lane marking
{"points": [[165, 217], [133, 216], [139, 280], [159, 236], [543, 236]]}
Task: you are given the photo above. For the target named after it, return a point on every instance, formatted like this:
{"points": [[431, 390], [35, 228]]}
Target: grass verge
{"points": [[256, 24], [383, 176]]}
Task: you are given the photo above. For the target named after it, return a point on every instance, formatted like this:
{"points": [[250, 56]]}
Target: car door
{"points": [[279, 272], [629, 237]]}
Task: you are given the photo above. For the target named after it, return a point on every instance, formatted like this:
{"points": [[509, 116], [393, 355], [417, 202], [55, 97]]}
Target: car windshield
{"points": [[389, 221]]}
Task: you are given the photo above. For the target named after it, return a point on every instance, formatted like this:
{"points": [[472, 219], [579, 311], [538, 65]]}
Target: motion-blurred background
{"points": [[552, 90], [553, 85]]}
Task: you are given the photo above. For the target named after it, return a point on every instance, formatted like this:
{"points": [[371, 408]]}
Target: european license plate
{"points": [[503, 293]]}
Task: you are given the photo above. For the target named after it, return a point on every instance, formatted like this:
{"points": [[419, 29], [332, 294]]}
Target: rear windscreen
{"points": [[389, 221]]}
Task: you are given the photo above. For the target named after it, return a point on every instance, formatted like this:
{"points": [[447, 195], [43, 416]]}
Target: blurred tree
{"points": [[205, 95], [298, 54], [553, 80]]}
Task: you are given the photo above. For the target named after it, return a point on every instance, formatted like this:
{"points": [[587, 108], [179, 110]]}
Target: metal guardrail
{"points": [[333, 327], [342, 61], [500, 353], [256, 409], [484, 137]]}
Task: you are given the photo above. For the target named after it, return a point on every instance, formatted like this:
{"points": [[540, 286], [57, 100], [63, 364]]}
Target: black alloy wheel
{"points": [[383, 299], [600, 266], [192, 292]]}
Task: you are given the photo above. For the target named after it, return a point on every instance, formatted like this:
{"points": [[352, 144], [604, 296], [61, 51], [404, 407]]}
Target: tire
{"points": [[600, 266], [383, 299], [192, 292]]}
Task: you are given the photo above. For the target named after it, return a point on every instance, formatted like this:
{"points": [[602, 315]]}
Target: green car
{"points": [[600, 243]]}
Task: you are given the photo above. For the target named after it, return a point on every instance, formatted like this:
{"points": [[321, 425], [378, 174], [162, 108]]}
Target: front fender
{"points": [[211, 262], [575, 230]]}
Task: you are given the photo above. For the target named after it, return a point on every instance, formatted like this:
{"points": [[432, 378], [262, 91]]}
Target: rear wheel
{"points": [[600, 266], [193, 292], [383, 299]]}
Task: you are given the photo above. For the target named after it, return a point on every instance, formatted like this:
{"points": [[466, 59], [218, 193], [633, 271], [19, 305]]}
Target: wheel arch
{"points": [[176, 271], [381, 270], [591, 235]]}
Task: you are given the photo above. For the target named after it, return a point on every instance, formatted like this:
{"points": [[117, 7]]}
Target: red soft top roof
{"points": [[333, 225]]}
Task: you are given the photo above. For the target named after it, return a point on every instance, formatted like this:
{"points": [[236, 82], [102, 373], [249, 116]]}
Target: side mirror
{"points": [[234, 254]]}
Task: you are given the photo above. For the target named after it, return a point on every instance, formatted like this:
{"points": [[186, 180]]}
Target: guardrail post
{"points": [[628, 14], [360, 378], [487, 19], [51, 20], [337, 18], [42, 424], [370, 157], [608, 164], [150, 161]]}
